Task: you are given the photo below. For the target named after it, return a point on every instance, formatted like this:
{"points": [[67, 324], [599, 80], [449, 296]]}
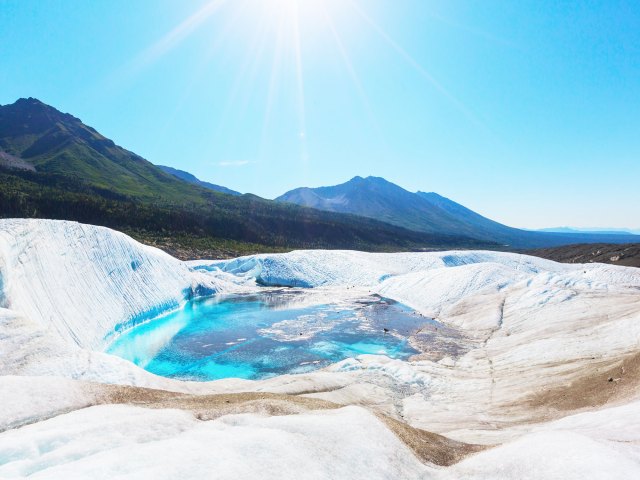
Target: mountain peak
{"points": [[30, 101], [33, 103], [370, 179], [378, 198], [39, 109]]}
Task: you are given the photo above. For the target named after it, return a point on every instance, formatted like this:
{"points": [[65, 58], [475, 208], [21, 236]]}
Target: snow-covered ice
{"points": [[534, 330], [118, 441]]}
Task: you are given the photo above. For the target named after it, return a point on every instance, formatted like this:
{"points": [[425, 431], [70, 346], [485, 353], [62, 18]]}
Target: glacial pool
{"points": [[266, 334]]}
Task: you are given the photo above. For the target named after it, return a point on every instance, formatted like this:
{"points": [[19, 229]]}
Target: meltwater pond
{"points": [[266, 334]]}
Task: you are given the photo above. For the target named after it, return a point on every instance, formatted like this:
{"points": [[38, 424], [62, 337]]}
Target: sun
{"points": [[280, 33]]}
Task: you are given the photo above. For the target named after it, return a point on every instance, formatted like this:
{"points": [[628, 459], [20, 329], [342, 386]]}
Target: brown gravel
{"points": [[607, 383], [428, 446]]}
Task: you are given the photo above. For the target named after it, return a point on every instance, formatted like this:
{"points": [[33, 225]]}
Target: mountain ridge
{"points": [[592, 230], [59, 143], [190, 178], [54, 166], [375, 197]]}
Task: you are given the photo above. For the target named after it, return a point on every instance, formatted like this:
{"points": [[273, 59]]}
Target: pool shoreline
{"points": [[282, 331]]}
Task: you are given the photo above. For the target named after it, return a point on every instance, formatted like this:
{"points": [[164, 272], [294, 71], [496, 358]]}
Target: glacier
{"points": [[550, 364]]}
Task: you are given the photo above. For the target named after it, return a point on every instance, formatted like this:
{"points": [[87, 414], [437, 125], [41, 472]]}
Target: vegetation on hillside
{"points": [[226, 227], [75, 173]]}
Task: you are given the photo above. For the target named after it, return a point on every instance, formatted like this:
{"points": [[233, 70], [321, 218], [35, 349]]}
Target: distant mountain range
{"points": [[54, 166], [595, 230], [376, 197], [188, 177]]}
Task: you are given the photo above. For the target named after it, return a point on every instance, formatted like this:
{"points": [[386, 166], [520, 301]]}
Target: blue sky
{"points": [[527, 112]]}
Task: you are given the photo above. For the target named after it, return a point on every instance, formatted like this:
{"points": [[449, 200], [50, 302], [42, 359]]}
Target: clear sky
{"points": [[526, 111]]}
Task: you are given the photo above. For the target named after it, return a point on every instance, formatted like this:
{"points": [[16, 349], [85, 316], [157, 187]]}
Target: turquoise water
{"points": [[263, 335]]}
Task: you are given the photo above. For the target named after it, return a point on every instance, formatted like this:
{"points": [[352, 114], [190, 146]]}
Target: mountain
{"points": [[52, 142], [55, 166], [188, 177], [472, 221], [375, 197]]}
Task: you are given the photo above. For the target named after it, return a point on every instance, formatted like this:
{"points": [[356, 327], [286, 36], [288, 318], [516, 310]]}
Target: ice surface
{"points": [[129, 442], [531, 326], [82, 281], [132, 442], [594, 445]]}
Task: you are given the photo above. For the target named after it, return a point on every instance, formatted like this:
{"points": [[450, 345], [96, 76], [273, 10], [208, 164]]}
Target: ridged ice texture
{"points": [[350, 443], [82, 282], [128, 442], [315, 268], [532, 326]]}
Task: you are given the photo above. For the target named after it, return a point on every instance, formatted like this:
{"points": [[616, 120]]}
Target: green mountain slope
{"points": [[59, 143]]}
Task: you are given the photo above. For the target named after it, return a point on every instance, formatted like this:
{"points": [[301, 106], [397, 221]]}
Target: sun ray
{"points": [[204, 61], [299, 83], [346, 60], [273, 84], [247, 72], [180, 32], [419, 68], [153, 53], [473, 31]]}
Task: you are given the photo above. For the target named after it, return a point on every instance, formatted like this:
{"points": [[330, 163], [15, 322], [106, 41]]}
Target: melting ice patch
{"points": [[304, 327]]}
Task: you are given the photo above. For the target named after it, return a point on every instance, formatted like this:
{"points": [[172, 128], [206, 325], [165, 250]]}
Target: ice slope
{"points": [[599, 445], [131, 442], [345, 443], [317, 268], [81, 282], [67, 288], [27, 399], [529, 326]]}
